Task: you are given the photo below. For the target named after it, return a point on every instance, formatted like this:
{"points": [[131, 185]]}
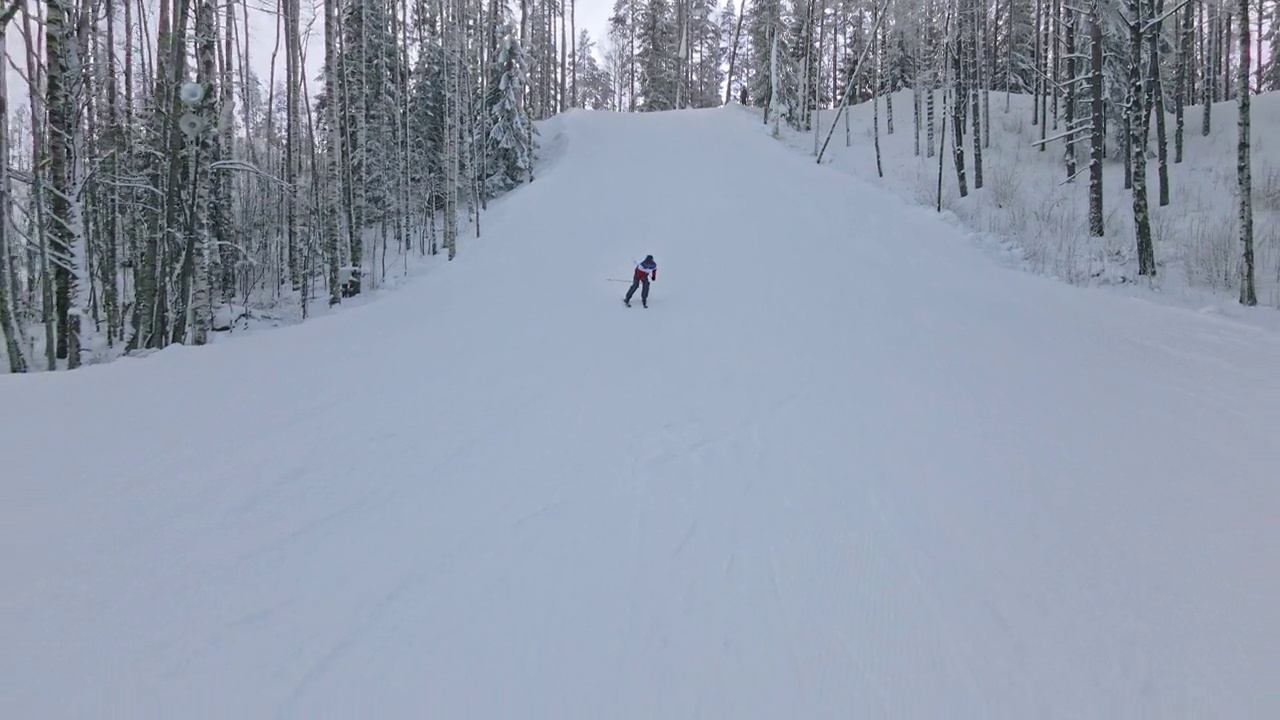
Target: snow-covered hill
{"points": [[1031, 218], [844, 466]]}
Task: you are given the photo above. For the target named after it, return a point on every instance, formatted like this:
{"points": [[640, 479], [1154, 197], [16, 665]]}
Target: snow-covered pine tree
{"points": [[656, 49], [801, 36], [707, 53], [681, 70], [545, 67], [624, 26], [593, 89], [775, 68], [764, 19], [732, 47], [368, 66], [509, 147]]}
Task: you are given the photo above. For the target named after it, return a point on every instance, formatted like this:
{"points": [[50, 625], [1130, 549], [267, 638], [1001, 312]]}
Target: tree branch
{"points": [[8, 14]]}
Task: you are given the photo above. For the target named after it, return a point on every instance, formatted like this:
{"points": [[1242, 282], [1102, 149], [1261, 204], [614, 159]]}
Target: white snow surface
{"points": [[844, 466]]}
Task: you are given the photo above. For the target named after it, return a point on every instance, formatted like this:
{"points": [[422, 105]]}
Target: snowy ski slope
{"points": [[843, 467]]}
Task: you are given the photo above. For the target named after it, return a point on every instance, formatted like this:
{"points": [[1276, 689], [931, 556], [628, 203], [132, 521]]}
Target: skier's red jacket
{"points": [[647, 268]]}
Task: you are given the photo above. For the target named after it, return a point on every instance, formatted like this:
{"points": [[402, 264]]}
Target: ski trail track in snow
{"points": [[843, 467]]}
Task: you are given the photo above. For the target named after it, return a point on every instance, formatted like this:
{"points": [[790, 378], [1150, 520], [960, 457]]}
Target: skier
{"points": [[646, 271]]}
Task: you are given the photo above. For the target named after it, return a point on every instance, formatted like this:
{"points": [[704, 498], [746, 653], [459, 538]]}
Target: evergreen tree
{"points": [[707, 53], [764, 18], [593, 90], [732, 50], [656, 44], [624, 26], [509, 146]]}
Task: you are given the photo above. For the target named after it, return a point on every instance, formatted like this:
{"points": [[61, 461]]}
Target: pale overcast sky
{"points": [[594, 16]]}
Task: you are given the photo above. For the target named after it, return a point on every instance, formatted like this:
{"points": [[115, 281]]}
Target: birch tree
{"points": [[1248, 293], [1097, 131], [1137, 140], [9, 324], [65, 226]]}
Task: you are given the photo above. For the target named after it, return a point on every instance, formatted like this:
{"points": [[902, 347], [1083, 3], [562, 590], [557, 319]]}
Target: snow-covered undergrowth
{"points": [[1031, 217], [261, 303]]}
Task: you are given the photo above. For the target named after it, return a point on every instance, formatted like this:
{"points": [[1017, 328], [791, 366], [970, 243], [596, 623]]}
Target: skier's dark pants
{"points": [[644, 294]]}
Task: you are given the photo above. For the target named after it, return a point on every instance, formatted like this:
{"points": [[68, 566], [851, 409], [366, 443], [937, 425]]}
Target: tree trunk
{"points": [[971, 82], [1155, 102], [573, 50], [930, 114], [39, 164], [451, 159], [889, 89], [334, 220], [1036, 63], [875, 98], [1097, 134], [204, 146], [1210, 64], [65, 226], [10, 327], [1186, 37], [1069, 102], [292, 53], [733, 54], [957, 113], [915, 113], [1224, 48], [1044, 74], [1137, 142], [1248, 293], [942, 150], [113, 136]]}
